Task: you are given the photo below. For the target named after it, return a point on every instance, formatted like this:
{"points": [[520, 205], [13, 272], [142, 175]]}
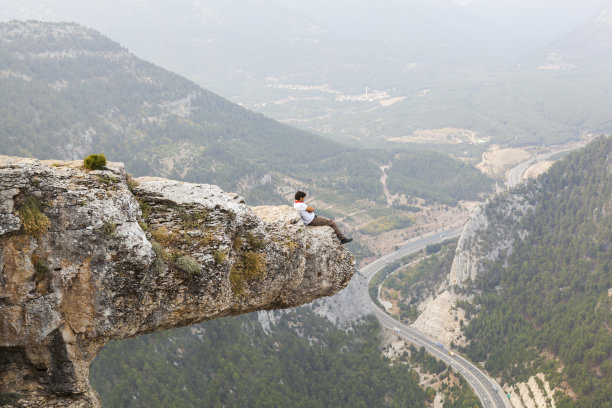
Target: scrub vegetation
{"points": [[34, 221], [248, 266], [232, 362]]}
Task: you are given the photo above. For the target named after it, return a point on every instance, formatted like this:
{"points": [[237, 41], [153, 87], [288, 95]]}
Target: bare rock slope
{"points": [[91, 256]]}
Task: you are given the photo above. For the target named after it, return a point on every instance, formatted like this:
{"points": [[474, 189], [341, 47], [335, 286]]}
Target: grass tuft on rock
{"points": [[192, 221], [219, 256], [34, 221], [255, 242], [107, 180], [131, 183], [158, 264], [109, 228], [164, 236], [145, 208]]}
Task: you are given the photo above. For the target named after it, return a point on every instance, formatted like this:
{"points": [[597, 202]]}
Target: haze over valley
{"points": [[378, 74]]}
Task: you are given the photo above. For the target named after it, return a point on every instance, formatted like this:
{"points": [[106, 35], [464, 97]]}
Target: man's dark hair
{"points": [[299, 195]]}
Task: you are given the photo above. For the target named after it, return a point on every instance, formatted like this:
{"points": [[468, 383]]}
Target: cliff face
{"points": [[91, 256], [489, 235]]}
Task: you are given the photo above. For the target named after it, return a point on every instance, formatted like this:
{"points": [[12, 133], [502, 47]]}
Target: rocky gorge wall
{"points": [[489, 235], [92, 256]]}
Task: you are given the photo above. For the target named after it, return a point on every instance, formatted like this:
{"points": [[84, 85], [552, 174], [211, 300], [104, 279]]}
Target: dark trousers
{"points": [[321, 221]]}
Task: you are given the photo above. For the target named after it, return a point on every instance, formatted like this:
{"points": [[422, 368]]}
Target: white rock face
{"points": [[98, 269], [440, 318], [498, 218], [348, 306]]}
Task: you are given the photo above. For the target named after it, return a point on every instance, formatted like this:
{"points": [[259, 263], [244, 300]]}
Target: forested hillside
{"points": [[67, 91], [547, 308], [435, 177], [307, 362]]}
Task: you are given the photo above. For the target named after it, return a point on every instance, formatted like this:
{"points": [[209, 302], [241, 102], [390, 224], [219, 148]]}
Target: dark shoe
{"points": [[345, 240]]}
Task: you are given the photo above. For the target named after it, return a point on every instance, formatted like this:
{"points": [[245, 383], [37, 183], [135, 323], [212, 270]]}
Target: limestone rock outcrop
{"points": [[489, 234], [487, 237], [91, 256]]}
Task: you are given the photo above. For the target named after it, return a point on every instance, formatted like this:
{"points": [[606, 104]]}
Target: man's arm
{"points": [[310, 209]]}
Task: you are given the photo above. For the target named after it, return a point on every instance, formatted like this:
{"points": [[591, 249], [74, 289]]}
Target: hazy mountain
{"points": [[68, 91], [370, 72], [533, 24], [217, 43], [439, 23], [590, 43]]}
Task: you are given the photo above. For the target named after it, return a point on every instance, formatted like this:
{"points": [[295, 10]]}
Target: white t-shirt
{"points": [[306, 216]]}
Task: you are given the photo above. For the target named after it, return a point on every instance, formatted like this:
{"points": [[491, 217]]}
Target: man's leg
{"points": [[321, 221]]}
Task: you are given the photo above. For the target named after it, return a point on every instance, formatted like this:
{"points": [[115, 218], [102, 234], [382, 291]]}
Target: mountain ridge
{"points": [[588, 42]]}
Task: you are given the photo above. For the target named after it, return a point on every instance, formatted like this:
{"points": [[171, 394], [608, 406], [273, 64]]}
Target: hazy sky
{"points": [[538, 20], [564, 9], [532, 23]]}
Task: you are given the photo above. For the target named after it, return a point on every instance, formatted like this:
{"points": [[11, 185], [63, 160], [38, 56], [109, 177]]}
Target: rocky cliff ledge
{"points": [[92, 256]]}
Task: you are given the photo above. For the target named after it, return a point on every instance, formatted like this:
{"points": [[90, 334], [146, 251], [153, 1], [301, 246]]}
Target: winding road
{"points": [[516, 174], [487, 389]]}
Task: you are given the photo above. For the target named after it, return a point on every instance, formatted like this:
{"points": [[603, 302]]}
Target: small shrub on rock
{"points": [[219, 256], [95, 162], [41, 270], [187, 265]]}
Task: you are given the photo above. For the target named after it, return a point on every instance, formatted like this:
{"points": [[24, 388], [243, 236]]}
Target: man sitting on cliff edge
{"points": [[310, 219]]}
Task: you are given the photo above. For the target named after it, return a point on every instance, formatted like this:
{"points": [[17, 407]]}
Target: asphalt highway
{"points": [[516, 174], [487, 389]]}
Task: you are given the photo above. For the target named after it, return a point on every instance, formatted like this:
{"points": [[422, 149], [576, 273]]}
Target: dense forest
{"points": [[232, 362], [436, 178], [547, 308]]}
